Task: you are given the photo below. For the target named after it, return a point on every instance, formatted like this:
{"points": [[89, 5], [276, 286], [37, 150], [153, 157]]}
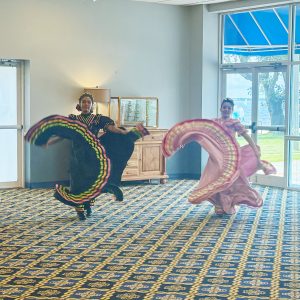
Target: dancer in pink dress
{"points": [[240, 191], [224, 180]]}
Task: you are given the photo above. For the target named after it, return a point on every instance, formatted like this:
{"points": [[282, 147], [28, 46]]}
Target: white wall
{"points": [[204, 75], [133, 48], [203, 93]]}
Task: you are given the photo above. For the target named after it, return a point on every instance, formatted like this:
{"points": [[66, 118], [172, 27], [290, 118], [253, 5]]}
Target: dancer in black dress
{"points": [[118, 144]]}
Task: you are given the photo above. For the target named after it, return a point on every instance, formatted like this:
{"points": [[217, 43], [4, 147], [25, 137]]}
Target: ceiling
{"points": [[185, 2]]}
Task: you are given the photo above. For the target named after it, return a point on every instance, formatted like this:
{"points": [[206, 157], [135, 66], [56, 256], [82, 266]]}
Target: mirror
{"points": [[128, 111]]}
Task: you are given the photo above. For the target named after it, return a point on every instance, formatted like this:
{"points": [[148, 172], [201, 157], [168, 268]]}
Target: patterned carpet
{"points": [[154, 245]]}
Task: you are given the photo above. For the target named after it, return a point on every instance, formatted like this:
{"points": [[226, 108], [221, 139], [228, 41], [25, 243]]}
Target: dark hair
{"points": [[228, 100], [78, 106], [86, 95]]}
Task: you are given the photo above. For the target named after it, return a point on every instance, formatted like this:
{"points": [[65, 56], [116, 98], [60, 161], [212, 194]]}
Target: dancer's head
{"points": [[226, 108], [86, 102]]}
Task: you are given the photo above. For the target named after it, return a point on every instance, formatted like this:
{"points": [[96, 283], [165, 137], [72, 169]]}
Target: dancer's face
{"points": [[86, 105], [226, 110]]}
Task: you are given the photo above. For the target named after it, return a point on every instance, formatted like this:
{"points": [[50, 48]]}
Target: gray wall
{"points": [[133, 48], [204, 94], [203, 84]]}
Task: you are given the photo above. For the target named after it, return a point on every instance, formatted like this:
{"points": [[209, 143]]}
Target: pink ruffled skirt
{"points": [[240, 192]]}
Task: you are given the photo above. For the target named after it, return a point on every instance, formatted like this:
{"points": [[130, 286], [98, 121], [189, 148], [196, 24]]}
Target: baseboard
{"points": [[184, 176], [45, 185], [51, 184]]}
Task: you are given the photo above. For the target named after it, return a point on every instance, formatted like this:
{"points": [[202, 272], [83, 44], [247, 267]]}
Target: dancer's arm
{"points": [[107, 124], [113, 128], [250, 141]]}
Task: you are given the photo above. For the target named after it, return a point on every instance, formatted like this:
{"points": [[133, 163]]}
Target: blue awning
{"points": [[260, 33]]}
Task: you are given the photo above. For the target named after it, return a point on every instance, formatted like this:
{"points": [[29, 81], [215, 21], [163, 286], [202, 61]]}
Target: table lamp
{"points": [[101, 98]]}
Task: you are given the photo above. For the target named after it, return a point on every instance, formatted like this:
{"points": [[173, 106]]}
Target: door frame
{"points": [[20, 71]]}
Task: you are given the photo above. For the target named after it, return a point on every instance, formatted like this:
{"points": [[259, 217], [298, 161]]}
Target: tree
{"points": [[269, 85]]}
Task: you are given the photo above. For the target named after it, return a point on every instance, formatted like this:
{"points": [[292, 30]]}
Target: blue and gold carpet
{"points": [[154, 245]]}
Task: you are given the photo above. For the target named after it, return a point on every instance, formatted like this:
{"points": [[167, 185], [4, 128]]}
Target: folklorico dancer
{"points": [[224, 180], [97, 161]]}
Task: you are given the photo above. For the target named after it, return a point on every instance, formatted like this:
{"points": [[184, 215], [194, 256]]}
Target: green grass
{"points": [[272, 147]]}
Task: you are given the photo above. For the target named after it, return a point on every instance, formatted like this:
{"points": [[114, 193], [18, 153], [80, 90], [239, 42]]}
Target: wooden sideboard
{"points": [[147, 161]]}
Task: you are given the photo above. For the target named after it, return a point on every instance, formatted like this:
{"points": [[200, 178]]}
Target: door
{"points": [[260, 103], [11, 150], [293, 139]]}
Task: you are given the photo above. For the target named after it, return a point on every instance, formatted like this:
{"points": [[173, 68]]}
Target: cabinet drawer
{"points": [[132, 166], [132, 163], [134, 155], [130, 172], [154, 136]]}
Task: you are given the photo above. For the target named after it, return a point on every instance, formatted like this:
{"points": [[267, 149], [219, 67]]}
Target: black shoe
{"points": [[115, 190], [118, 193], [81, 215], [88, 211]]}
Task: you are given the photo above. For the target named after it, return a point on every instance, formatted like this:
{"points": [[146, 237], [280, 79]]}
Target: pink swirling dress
{"points": [[240, 192], [224, 180]]}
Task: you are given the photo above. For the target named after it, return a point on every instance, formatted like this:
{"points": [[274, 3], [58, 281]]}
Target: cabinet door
{"points": [[132, 168], [151, 159]]}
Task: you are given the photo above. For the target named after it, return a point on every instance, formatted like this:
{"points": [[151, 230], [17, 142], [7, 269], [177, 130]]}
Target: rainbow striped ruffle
{"points": [[74, 130], [217, 142]]}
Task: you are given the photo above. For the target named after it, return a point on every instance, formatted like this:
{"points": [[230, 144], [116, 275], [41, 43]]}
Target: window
{"points": [[256, 36], [259, 43], [11, 154]]}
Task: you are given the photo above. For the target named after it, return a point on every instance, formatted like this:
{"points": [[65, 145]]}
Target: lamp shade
{"points": [[99, 95]]}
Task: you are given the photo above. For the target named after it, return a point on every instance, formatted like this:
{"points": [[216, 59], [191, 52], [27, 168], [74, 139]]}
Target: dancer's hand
{"points": [[259, 164]]}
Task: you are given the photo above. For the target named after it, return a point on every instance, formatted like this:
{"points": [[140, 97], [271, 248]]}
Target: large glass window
{"points": [[258, 42], [297, 34], [8, 95], [10, 124], [295, 103], [260, 95], [256, 36], [294, 130], [239, 88], [294, 166], [271, 98], [8, 156]]}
